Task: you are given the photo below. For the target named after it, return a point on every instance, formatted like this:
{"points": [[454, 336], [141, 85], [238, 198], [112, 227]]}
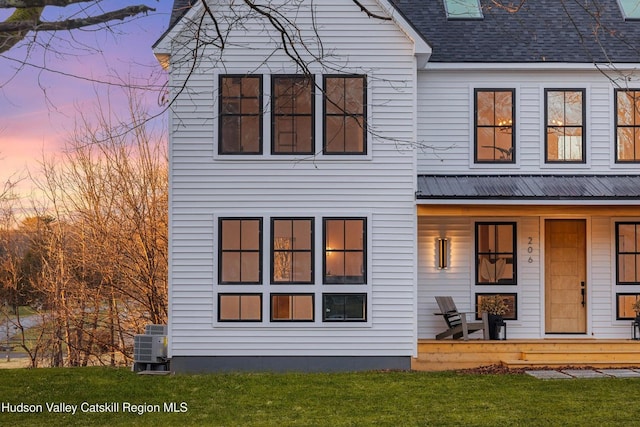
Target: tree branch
{"points": [[25, 4], [71, 24]]}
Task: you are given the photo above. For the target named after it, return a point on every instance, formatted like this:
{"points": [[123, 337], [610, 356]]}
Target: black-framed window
{"points": [[345, 254], [495, 253], [240, 254], [344, 307], [239, 307], [292, 257], [627, 106], [510, 299], [624, 305], [240, 115], [628, 253], [292, 307], [495, 125], [345, 112], [565, 126], [292, 115]]}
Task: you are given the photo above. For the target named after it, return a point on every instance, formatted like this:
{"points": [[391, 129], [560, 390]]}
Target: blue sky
{"points": [[38, 107]]}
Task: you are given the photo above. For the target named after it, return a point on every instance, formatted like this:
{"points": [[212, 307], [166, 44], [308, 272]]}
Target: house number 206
{"points": [[530, 250]]}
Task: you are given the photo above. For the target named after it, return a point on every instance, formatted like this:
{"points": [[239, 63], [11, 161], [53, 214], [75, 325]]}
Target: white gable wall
{"points": [[379, 186]]}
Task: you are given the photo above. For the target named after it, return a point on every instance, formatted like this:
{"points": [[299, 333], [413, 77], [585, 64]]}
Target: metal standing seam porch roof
{"points": [[529, 187]]}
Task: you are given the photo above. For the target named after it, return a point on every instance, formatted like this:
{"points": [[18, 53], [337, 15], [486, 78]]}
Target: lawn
{"points": [[352, 399]]}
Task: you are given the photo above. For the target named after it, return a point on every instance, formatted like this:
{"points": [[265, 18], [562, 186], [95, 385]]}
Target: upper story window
{"points": [[463, 9], [292, 250], [292, 115], [240, 260], [496, 253], [495, 123], [628, 253], [240, 128], [630, 9], [345, 111], [564, 123], [345, 240], [627, 125]]}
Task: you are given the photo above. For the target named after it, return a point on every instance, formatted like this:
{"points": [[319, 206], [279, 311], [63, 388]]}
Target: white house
{"points": [[308, 198]]}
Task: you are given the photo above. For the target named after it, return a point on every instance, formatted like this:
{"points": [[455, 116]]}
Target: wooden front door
{"points": [[565, 276]]}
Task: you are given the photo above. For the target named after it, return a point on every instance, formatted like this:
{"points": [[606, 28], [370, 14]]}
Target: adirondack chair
{"points": [[457, 324]]}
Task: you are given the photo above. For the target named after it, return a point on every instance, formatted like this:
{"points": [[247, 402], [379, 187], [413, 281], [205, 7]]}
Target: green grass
{"points": [[356, 399]]}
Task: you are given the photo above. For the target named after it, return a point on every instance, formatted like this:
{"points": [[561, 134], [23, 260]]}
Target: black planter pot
{"points": [[496, 321]]}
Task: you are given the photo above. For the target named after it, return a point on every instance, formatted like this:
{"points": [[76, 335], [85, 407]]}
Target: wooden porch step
{"points": [[519, 363], [581, 355], [436, 355]]}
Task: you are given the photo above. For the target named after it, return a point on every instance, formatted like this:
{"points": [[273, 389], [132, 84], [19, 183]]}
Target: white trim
{"points": [[529, 66]]}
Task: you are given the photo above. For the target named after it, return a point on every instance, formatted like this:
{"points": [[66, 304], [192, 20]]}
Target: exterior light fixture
{"points": [[442, 250]]}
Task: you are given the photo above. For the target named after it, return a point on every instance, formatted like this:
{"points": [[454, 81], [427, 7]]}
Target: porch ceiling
{"points": [[529, 187]]}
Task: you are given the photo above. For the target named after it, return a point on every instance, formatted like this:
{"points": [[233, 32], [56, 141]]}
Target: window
{"points": [[624, 306], [627, 125], [344, 251], [630, 9], [344, 307], [296, 307], [240, 259], [510, 299], [240, 125], [239, 307], [463, 9], [292, 115], [344, 115], [628, 253], [496, 253], [564, 118], [494, 120], [292, 250]]}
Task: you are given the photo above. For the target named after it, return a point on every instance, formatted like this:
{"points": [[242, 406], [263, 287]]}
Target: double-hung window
{"points": [[240, 258], [627, 105], [292, 250], [240, 124], [345, 111], [495, 124], [292, 115], [565, 126], [627, 268], [345, 241], [628, 253], [496, 253]]}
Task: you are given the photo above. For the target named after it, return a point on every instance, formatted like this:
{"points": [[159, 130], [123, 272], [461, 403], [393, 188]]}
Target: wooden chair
{"points": [[457, 324]]}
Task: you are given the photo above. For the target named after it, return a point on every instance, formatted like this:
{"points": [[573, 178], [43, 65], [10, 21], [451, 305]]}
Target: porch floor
{"points": [[444, 355]]}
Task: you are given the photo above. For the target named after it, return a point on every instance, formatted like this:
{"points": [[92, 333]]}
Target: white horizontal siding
{"points": [[446, 121], [380, 186]]}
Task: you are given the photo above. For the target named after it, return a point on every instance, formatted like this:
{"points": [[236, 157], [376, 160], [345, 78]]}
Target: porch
{"points": [[434, 355]]}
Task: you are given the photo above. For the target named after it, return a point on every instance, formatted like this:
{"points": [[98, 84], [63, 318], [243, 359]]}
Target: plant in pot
{"points": [[636, 307], [495, 307]]}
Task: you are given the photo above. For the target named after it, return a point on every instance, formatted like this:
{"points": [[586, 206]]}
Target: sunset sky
{"points": [[38, 107]]}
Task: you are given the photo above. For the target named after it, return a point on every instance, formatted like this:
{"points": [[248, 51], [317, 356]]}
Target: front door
{"points": [[565, 276]]}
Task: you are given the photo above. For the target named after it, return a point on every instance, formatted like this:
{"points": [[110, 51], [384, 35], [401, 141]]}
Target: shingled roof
{"points": [[180, 7], [572, 31], [584, 31]]}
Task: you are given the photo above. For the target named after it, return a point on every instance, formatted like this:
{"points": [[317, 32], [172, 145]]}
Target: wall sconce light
{"points": [[443, 253]]}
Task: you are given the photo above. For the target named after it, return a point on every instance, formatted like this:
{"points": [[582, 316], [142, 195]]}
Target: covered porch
{"points": [[441, 355]]}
